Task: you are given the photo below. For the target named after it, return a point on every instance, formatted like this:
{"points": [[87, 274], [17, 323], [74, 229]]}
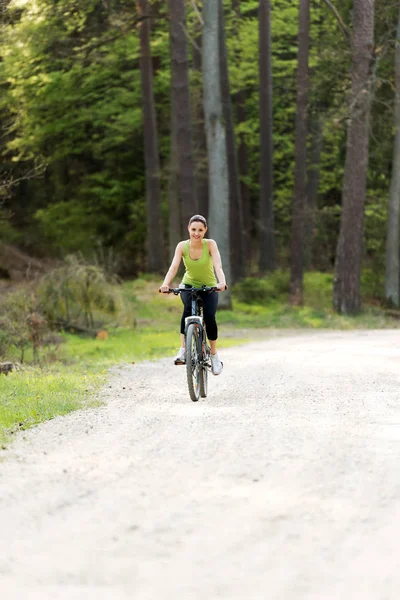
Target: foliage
{"points": [[78, 295], [75, 296], [22, 324], [71, 110], [257, 290]]}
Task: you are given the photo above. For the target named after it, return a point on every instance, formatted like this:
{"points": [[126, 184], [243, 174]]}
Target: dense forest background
{"points": [[73, 172]]}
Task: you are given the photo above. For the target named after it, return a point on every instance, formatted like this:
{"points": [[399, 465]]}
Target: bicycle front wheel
{"points": [[204, 371], [193, 367], [204, 383]]}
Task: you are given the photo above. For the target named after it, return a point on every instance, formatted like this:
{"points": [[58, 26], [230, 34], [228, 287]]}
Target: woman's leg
{"points": [[210, 304], [187, 311]]}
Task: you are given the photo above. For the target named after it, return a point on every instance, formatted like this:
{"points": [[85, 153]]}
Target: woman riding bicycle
{"points": [[200, 257]]}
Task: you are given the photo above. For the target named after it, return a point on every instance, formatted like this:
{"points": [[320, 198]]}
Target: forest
{"points": [[277, 120]]}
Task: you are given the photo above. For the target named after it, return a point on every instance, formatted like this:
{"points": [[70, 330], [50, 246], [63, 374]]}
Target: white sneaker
{"points": [[216, 364], [180, 358]]}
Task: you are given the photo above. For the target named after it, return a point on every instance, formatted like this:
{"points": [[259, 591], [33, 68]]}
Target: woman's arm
{"points": [[172, 271], [213, 249]]}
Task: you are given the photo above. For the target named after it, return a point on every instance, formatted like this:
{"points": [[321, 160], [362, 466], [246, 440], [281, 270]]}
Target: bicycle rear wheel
{"points": [[193, 356]]}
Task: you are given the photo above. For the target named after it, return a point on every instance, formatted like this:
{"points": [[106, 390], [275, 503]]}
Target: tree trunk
{"points": [[235, 201], [216, 139], [181, 101], [300, 169], [392, 240], [243, 165], [346, 296], [199, 134], [174, 213], [155, 242], [243, 161], [312, 188], [266, 212]]}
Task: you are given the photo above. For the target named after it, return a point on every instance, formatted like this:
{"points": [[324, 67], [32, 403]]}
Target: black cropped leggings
{"points": [[210, 303]]}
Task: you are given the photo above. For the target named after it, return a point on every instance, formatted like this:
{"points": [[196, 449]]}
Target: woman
{"points": [[200, 257]]}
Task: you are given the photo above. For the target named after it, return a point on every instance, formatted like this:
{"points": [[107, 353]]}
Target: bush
{"points": [[318, 289], [22, 324], [261, 290], [76, 297], [372, 283], [81, 296]]}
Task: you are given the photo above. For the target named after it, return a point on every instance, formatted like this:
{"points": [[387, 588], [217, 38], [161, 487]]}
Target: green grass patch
{"points": [[33, 395]]}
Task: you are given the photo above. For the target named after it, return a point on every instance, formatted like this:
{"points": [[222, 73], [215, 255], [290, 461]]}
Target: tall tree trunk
{"points": [[243, 161], [392, 240], [235, 201], [243, 165], [266, 212], [174, 212], [316, 142], [346, 296], [216, 139], [300, 169], [155, 242], [199, 134], [312, 188], [181, 100]]}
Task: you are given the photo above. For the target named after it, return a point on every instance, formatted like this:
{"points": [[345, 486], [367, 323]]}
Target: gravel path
{"points": [[283, 484]]}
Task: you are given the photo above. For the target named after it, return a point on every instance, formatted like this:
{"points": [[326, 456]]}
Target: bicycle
{"points": [[198, 352]]}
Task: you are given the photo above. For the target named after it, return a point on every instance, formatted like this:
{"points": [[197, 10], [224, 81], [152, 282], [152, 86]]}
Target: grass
{"points": [[80, 366], [34, 395]]}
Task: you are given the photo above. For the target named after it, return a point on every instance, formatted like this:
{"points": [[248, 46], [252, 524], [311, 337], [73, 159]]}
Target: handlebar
{"points": [[204, 288]]}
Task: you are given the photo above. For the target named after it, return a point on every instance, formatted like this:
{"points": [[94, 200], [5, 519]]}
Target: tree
{"points": [[216, 138], [174, 208], [155, 245], [181, 101], [315, 126], [199, 134], [235, 200], [266, 218], [346, 295], [242, 154], [300, 170], [392, 239]]}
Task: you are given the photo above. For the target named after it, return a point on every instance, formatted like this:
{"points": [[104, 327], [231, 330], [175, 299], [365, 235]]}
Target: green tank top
{"points": [[201, 271]]}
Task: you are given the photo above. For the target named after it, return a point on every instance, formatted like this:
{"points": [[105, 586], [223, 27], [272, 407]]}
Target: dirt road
{"points": [[284, 484]]}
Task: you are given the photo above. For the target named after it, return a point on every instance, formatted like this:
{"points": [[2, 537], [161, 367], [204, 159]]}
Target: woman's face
{"points": [[197, 230]]}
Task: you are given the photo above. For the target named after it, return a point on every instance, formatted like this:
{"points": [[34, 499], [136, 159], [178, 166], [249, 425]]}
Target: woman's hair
{"points": [[198, 218]]}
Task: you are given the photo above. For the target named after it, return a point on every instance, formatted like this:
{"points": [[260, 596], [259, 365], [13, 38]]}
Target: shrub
{"points": [[76, 296], [81, 296], [22, 324], [372, 283], [261, 290], [318, 289]]}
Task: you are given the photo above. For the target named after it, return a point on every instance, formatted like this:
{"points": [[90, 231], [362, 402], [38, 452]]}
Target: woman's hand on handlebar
{"points": [[221, 287], [164, 289]]}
